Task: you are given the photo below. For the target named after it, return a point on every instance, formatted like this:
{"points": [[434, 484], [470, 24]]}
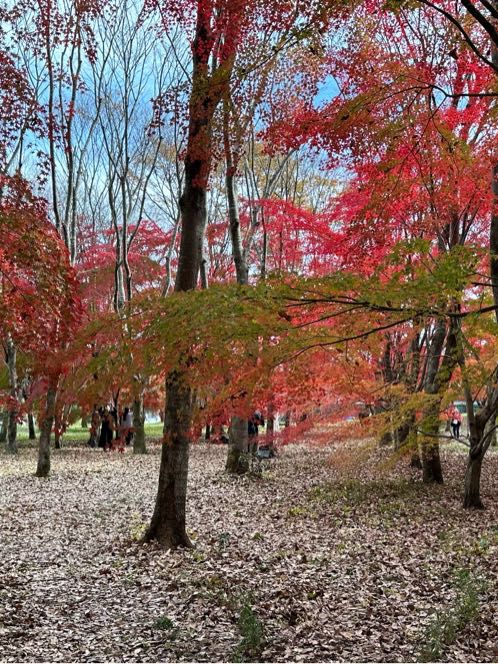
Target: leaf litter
{"points": [[329, 564]]}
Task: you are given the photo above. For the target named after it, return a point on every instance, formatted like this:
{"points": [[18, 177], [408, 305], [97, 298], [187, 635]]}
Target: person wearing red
{"points": [[456, 422]]}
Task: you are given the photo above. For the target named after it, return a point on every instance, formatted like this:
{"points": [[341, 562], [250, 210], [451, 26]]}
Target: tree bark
{"points": [[472, 494], [482, 424], [270, 425], [237, 459], [58, 430], [168, 521], [4, 426], [438, 377], [31, 427], [11, 359], [138, 426], [43, 467], [238, 450]]}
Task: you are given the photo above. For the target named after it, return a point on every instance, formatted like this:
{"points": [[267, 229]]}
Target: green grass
{"points": [[445, 626], [77, 433], [163, 622], [252, 635]]}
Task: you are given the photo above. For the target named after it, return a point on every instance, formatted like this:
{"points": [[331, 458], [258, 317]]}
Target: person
{"points": [[253, 423], [456, 421], [106, 429], [127, 425]]}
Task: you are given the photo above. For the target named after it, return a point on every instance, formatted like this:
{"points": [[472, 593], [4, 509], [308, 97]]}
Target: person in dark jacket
{"points": [[253, 423], [106, 429]]}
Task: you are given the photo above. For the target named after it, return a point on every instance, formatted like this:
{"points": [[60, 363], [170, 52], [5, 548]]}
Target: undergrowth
{"points": [[446, 625], [252, 635]]}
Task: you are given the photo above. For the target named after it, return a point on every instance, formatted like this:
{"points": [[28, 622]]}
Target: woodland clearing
{"points": [[313, 561]]}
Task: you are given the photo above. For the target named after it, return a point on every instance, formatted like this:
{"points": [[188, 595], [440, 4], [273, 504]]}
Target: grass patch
{"points": [[356, 493], [446, 625], [137, 527], [252, 635], [163, 622], [76, 433]]}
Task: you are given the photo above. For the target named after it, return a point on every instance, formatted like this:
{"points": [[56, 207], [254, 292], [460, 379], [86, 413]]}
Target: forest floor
{"points": [[318, 560]]}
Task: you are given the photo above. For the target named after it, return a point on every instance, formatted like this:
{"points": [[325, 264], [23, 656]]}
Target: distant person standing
{"points": [[127, 425], [254, 422], [106, 428], [456, 422]]}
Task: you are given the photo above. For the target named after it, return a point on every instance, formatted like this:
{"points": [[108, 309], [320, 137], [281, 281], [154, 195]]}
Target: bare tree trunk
{"points": [[207, 88], [416, 461], [238, 450], [481, 431], [237, 457], [11, 359], [437, 380], [168, 521], [43, 467], [138, 426], [482, 424], [4, 426], [58, 429], [472, 493], [270, 425]]}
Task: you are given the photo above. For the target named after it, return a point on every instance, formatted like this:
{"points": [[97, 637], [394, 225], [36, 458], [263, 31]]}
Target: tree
{"points": [[219, 30], [38, 293]]}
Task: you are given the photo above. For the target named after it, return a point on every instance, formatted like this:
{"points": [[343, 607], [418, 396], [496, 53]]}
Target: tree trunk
{"points": [[416, 461], [11, 358], [431, 461], [168, 521], [237, 459], [437, 380], [12, 432], [43, 467], [432, 472], [472, 495], [402, 433], [207, 435], [138, 426], [84, 421], [4, 426], [207, 89], [31, 427], [58, 430], [238, 450], [481, 431], [270, 425]]}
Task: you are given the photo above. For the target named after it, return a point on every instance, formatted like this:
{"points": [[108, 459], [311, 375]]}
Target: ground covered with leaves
{"points": [[316, 560]]}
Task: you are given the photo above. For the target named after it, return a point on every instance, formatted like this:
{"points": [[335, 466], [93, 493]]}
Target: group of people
{"points": [[110, 429]]}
